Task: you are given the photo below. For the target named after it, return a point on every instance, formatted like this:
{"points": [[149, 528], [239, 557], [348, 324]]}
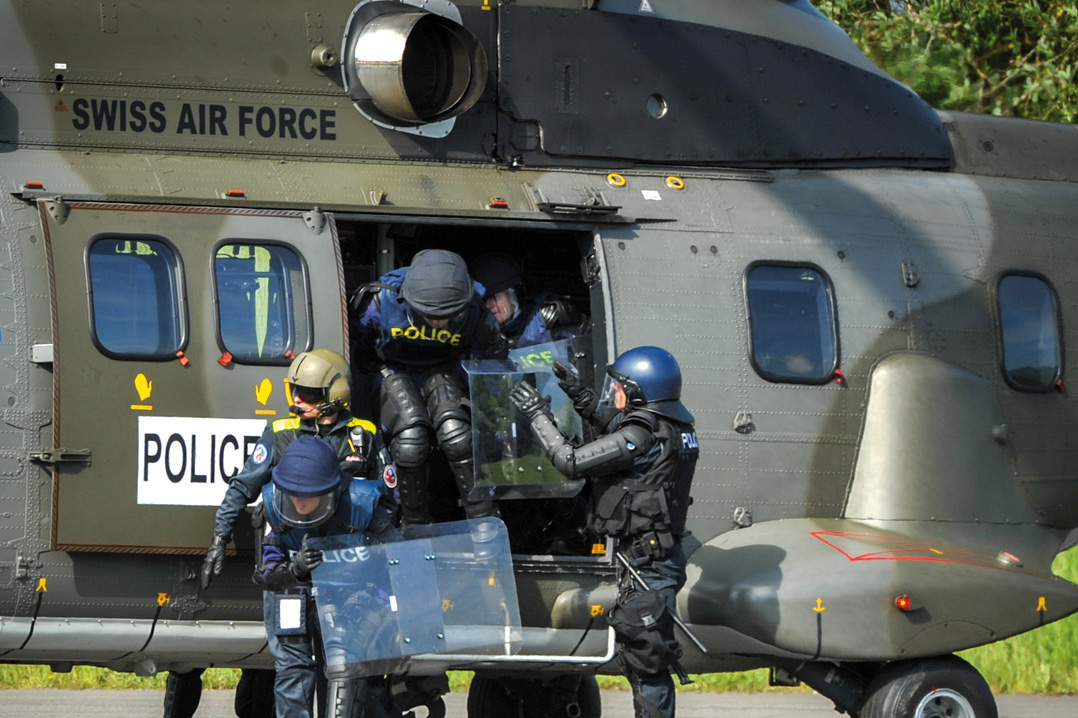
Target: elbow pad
{"points": [[608, 454], [605, 455]]}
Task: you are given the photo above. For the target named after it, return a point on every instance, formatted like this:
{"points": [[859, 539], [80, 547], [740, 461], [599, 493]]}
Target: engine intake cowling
{"points": [[411, 70]]}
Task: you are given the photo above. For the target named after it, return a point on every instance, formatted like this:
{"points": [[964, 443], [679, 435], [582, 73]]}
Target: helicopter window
{"points": [[792, 328], [262, 302], [1029, 329], [135, 300]]}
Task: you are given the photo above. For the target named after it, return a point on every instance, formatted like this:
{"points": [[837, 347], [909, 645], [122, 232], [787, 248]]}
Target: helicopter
{"points": [[870, 300]]}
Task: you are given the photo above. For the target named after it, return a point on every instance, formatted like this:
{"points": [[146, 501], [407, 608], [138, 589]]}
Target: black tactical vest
{"points": [[654, 497]]}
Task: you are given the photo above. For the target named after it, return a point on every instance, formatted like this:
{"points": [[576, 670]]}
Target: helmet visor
{"points": [[303, 511], [431, 327], [608, 399], [309, 394]]}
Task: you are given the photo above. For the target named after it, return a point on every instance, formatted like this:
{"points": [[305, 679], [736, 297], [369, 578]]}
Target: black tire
{"points": [[945, 687], [526, 698], [488, 698], [589, 698]]}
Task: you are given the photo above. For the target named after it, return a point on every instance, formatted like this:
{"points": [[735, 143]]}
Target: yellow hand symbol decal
{"points": [[144, 387], [263, 391]]}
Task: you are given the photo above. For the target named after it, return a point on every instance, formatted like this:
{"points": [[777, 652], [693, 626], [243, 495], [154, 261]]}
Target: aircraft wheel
{"points": [[946, 687], [526, 698]]}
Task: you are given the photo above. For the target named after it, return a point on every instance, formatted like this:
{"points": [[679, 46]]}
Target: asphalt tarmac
{"points": [[218, 704]]}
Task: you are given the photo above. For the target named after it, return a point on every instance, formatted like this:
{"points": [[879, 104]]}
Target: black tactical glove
{"points": [[568, 381], [527, 399], [583, 398], [305, 561], [214, 562]]}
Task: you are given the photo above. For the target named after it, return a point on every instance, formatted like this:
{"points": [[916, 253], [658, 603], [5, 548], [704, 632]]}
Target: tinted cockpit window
{"points": [[792, 323], [261, 302], [135, 298], [1029, 328]]}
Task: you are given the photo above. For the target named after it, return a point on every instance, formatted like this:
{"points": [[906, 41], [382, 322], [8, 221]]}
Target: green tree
{"points": [[1004, 57]]}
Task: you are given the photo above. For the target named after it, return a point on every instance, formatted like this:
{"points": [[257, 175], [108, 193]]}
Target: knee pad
{"points": [[455, 438], [411, 447]]}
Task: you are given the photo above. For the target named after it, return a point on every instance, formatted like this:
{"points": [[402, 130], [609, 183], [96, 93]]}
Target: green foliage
{"points": [[1041, 661], [1004, 57]]}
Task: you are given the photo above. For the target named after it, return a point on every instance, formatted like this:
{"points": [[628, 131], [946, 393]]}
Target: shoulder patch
{"points": [[389, 476], [366, 425], [289, 424], [260, 453]]}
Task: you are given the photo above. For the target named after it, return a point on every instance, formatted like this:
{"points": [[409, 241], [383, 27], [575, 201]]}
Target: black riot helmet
{"points": [[497, 272], [500, 274], [437, 284], [651, 380]]}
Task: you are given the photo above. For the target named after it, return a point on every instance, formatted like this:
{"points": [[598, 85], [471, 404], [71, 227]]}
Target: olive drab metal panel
{"points": [[177, 324]]}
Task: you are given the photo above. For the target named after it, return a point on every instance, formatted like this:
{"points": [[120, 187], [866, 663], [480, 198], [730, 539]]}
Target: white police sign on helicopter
{"points": [[187, 461]]}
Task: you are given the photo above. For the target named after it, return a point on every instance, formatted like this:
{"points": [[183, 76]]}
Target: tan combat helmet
{"points": [[325, 371]]}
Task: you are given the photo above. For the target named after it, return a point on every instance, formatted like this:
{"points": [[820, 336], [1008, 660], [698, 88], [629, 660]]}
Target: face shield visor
{"points": [[452, 324], [304, 511], [608, 399]]}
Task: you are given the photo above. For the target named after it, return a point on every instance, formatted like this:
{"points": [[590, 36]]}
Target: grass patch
{"points": [[1040, 661]]}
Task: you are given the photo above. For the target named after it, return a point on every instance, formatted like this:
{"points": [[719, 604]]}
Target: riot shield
{"points": [[509, 461], [443, 588]]}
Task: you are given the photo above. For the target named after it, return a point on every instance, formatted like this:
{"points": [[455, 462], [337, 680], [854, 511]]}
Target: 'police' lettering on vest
{"points": [[426, 334]]}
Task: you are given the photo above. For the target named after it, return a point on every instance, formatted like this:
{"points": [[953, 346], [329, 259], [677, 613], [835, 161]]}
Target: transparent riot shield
{"points": [[443, 588], [509, 461]]}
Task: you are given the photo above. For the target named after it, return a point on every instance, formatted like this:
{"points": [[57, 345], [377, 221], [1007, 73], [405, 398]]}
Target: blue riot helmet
{"points": [[651, 380], [437, 287], [307, 482]]}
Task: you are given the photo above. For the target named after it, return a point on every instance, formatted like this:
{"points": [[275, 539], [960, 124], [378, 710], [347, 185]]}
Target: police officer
{"points": [[642, 468], [417, 323], [310, 496], [549, 317], [320, 385]]}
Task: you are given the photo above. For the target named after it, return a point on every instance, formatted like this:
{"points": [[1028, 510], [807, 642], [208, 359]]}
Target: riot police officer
{"points": [[413, 326], [549, 317], [642, 468], [310, 496], [320, 386]]}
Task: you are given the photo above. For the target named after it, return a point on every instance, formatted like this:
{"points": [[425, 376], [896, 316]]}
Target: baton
{"points": [[640, 579]]}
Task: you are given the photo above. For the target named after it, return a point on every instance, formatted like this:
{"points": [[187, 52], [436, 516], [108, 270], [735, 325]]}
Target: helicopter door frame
{"points": [[183, 411]]}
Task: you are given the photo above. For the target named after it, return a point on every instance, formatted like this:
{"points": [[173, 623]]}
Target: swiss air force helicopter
{"points": [[871, 302]]}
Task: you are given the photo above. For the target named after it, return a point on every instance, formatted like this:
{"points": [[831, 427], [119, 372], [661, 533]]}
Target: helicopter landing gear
{"points": [[929, 688], [567, 696]]}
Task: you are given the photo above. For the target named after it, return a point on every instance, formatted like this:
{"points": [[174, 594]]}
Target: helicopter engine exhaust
{"points": [[411, 70]]}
